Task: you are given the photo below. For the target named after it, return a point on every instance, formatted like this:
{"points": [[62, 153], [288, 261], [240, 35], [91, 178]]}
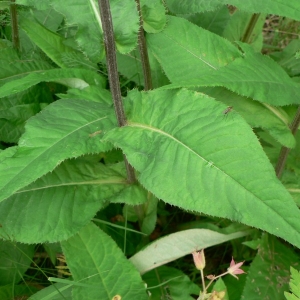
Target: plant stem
{"points": [[14, 25], [251, 25], [144, 51], [113, 77], [284, 150]]}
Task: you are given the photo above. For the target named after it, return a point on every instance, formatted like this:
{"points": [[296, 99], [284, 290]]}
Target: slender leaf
{"points": [[60, 203], [179, 244], [74, 78], [94, 259], [64, 129], [226, 172]]}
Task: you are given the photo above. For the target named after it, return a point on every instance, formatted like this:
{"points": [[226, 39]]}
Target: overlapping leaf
{"points": [[191, 155], [273, 119], [188, 64], [182, 55], [60, 203], [64, 129], [74, 78], [96, 261]]}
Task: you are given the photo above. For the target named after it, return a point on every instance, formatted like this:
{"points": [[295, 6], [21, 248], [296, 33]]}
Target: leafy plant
{"points": [[85, 170]]}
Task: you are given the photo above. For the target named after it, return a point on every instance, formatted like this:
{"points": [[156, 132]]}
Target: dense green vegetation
{"points": [[126, 149]]}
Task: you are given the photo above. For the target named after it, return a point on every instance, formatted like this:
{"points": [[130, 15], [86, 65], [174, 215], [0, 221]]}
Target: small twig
{"points": [[14, 26], [144, 51], [114, 83], [284, 150]]}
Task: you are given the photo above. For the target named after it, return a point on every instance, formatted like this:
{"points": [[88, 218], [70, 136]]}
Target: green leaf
{"points": [[50, 42], [192, 6], [255, 76], [294, 285], [237, 27], [64, 129], [166, 281], [220, 286], [273, 119], [60, 203], [178, 50], [214, 21], [173, 134], [268, 274], [57, 291], [95, 260], [129, 65], [15, 260], [17, 67], [288, 9], [154, 16], [74, 78], [85, 14], [179, 244]]}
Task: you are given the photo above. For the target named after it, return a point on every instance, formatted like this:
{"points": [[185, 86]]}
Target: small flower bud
{"points": [[199, 259]]}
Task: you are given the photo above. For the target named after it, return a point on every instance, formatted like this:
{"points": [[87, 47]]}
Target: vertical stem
{"points": [[109, 43], [14, 25], [144, 51], [247, 35], [284, 150]]}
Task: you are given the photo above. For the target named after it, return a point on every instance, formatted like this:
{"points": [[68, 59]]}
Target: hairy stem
{"points": [[251, 25], [109, 43], [284, 150], [14, 26], [144, 52]]}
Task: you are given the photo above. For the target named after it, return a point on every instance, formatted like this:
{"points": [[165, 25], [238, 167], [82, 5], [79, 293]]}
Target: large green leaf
{"points": [[64, 129], [188, 64], [278, 7], [60, 203], [74, 78], [191, 155], [95, 260], [178, 50]]}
